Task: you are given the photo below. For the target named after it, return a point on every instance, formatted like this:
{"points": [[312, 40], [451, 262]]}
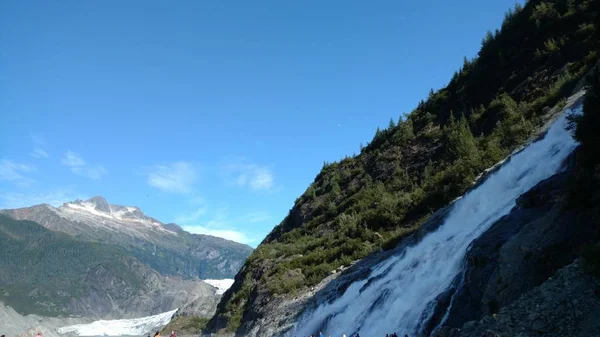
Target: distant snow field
{"points": [[119, 327], [221, 285]]}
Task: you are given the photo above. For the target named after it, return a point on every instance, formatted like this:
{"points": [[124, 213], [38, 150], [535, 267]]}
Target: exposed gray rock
{"points": [[565, 305], [520, 251]]}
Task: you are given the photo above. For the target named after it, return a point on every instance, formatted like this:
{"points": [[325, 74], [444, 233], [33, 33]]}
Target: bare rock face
{"points": [[519, 252], [567, 304]]}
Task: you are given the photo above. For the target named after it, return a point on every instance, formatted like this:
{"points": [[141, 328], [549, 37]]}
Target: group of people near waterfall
{"points": [[357, 335]]}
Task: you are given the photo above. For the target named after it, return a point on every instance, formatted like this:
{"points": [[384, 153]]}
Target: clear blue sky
{"points": [[215, 115]]}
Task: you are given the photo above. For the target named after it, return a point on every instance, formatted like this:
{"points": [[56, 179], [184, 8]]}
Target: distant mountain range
{"points": [[165, 247], [94, 259]]}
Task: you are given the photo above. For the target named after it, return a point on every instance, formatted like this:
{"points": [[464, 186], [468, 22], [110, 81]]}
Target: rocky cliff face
{"points": [[166, 248], [521, 251], [567, 304], [514, 271]]}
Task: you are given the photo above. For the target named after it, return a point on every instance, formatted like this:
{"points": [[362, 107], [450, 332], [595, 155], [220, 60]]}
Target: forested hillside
{"points": [[42, 270], [421, 162], [53, 274], [166, 248]]}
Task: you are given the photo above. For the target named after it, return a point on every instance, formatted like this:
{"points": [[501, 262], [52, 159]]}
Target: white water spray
{"points": [[399, 294]]}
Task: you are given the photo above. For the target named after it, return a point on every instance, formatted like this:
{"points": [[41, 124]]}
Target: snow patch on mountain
{"points": [[129, 327], [96, 211], [221, 285], [86, 207]]}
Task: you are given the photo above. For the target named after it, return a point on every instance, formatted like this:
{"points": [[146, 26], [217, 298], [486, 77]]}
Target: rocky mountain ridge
{"points": [[165, 247], [94, 260]]}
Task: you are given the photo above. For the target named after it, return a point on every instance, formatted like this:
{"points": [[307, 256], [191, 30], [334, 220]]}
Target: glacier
{"points": [[221, 285], [399, 295], [121, 327]]}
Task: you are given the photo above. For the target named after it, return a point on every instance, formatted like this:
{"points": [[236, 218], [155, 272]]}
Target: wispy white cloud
{"points": [[72, 159], [15, 172], [174, 178], [232, 235], [80, 167], [54, 198], [193, 216], [221, 224], [256, 217], [40, 148], [38, 152], [256, 177]]}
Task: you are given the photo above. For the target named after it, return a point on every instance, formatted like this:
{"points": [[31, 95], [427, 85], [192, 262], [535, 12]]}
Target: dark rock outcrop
{"points": [[567, 304], [516, 256]]}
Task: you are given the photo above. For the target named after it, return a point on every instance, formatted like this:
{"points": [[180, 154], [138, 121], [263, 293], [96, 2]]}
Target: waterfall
{"points": [[399, 294]]}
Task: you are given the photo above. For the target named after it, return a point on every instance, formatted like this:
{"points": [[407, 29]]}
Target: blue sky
{"points": [[214, 115]]}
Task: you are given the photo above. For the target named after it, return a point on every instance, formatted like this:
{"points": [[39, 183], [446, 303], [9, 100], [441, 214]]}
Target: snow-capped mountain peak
{"points": [[100, 212], [165, 247]]}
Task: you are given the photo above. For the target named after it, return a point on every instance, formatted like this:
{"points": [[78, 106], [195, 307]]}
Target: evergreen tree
{"points": [[460, 142]]}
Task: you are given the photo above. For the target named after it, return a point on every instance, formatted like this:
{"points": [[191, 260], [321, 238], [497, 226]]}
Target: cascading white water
{"points": [[399, 293]]}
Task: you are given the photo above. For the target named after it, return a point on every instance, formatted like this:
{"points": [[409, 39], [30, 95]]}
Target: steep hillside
{"points": [[373, 200], [166, 248], [50, 273]]}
